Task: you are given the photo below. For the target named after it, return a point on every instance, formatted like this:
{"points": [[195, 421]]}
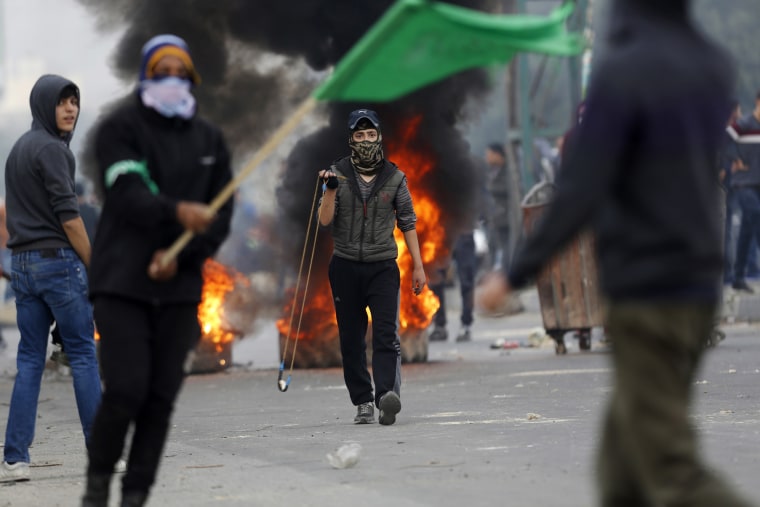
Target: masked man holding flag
{"points": [[159, 165]]}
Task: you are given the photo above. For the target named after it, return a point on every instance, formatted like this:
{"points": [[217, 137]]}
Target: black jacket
{"points": [[642, 165], [186, 160]]}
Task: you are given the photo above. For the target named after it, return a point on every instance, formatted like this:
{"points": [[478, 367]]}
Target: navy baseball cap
{"points": [[356, 116]]}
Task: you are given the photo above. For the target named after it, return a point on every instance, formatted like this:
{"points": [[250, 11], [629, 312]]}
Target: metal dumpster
{"points": [[568, 286]]}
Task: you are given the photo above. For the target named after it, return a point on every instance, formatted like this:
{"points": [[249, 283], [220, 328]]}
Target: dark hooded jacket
{"points": [[642, 165], [39, 175], [182, 160]]}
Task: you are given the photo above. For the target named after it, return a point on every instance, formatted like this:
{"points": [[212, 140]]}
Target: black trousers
{"points": [[356, 286], [143, 349]]}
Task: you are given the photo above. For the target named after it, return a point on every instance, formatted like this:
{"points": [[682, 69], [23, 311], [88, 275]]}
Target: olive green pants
{"points": [[650, 455]]}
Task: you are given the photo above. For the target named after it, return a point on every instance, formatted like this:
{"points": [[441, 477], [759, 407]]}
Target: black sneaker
{"points": [[439, 334], [365, 413], [464, 334], [390, 405], [742, 285]]}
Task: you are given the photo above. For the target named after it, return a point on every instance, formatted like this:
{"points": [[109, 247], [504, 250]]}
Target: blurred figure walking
{"points": [[641, 169]]}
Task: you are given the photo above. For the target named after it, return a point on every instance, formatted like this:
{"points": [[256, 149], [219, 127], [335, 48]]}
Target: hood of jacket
{"points": [[44, 99], [631, 16]]}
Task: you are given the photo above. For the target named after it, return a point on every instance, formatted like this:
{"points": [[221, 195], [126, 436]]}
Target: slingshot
{"points": [[284, 384]]}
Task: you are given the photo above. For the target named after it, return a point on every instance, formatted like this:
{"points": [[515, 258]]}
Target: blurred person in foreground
{"points": [[160, 164], [641, 168], [50, 256], [365, 198]]}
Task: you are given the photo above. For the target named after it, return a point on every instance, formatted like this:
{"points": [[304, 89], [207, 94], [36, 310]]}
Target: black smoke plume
{"points": [[230, 39]]}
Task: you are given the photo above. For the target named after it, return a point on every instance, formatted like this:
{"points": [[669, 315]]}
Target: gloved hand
{"points": [[331, 182]]}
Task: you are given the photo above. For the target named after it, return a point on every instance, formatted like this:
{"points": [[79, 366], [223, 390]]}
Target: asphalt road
{"points": [[479, 427]]}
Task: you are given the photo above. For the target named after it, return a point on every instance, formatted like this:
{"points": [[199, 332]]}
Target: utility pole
{"points": [[526, 95], [525, 110]]}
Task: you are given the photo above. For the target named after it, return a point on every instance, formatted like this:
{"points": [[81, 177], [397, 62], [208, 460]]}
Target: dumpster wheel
{"points": [[558, 336], [584, 338]]}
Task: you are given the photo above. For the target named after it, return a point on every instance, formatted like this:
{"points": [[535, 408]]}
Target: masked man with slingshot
{"points": [[365, 197]]}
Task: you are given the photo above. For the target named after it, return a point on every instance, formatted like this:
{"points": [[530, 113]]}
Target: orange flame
{"points": [[417, 311], [218, 281], [318, 313]]}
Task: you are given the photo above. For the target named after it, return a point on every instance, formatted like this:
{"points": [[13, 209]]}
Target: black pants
{"points": [[143, 349], [356, 286], [467, 264], [650, 453]]}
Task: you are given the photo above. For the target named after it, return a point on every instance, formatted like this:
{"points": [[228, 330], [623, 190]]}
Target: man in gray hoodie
{"points": [[51, 254]]}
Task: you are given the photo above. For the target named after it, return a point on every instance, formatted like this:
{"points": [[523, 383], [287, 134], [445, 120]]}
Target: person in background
{"points": [[5, 264], [89, 212], [466, 262], [744, 153], [365, 198], [5, 253], [726, 167], [160, 164], [464, 253], [50, 260], [497, 184], [641, 169]]}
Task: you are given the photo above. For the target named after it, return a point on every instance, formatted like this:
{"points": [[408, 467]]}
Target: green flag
{"points": [[418, 42]]}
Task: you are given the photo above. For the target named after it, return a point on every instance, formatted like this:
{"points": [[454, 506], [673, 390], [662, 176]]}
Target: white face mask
{"points": [[169, 96]]}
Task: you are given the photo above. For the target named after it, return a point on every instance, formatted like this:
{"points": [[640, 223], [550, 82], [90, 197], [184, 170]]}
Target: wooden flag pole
{"points": [[274, 140]]}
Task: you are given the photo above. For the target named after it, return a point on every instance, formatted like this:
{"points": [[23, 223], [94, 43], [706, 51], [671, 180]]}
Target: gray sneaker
{"points": [[365, 413], [464, 334], [16, 472], [390, 405]]}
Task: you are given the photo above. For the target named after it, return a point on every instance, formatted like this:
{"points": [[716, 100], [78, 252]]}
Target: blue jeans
{"points": [[749, 232], [50, 284]]}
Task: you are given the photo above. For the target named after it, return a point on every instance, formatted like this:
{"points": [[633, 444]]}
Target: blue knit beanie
{"points": [[164, 45]]}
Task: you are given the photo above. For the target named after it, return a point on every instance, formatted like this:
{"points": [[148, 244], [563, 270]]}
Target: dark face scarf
{"points": [[367, 156]]}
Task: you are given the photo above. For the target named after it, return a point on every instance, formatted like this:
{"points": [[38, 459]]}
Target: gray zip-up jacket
{"points": [[363, 228], [39, 175]]}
